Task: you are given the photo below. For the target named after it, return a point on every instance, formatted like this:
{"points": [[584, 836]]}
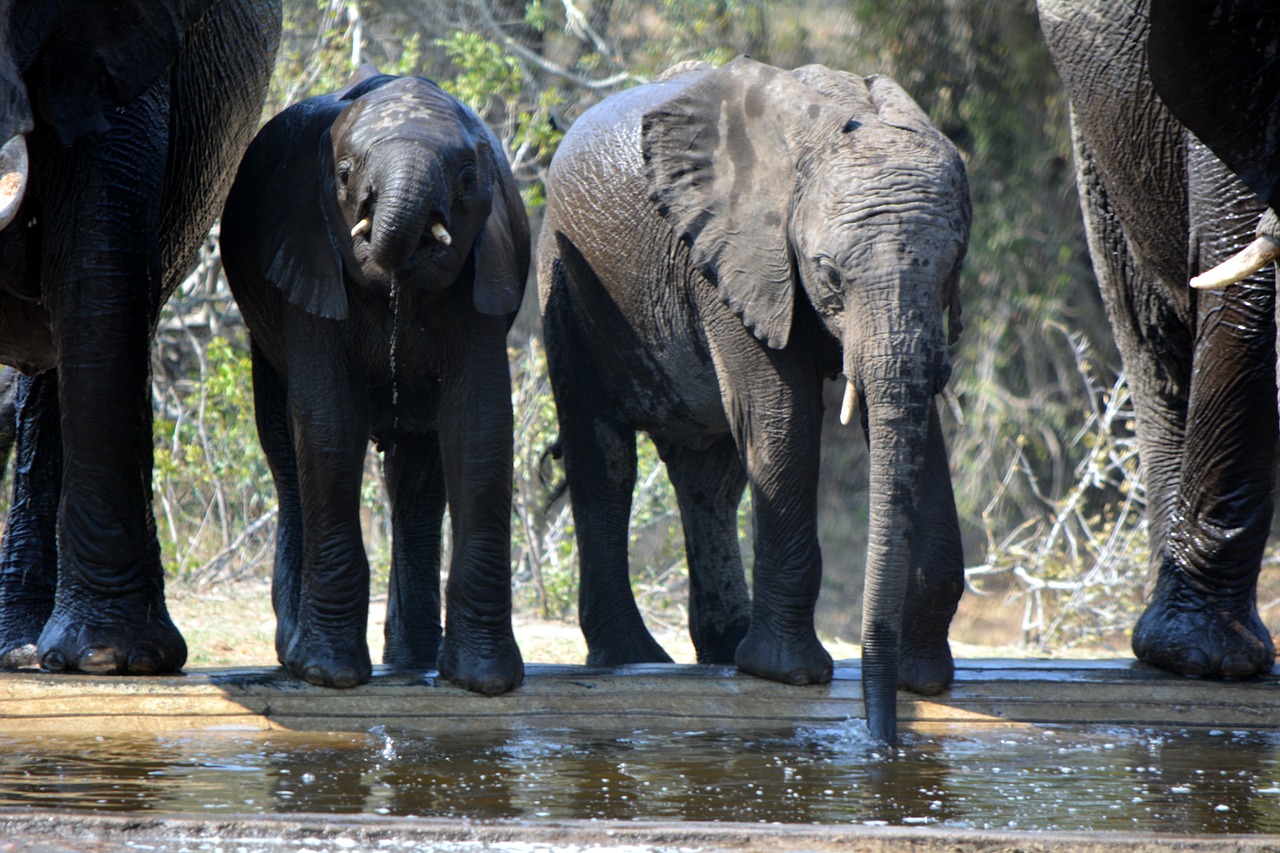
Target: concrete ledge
{"points": [[655, 696]]}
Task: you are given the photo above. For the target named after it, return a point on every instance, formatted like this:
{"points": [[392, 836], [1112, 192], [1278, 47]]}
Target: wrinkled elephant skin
{"points": [[117, 147], [378, 249], [716, 244], [1160, 208]]}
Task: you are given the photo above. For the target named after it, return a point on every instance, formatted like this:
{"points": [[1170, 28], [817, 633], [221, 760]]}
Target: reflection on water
{"points": [[1050, 778]]}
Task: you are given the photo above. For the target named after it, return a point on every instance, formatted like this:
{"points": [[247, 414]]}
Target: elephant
{"points": [[378, 248], [123, 125], [716, 244], [1160, 209]]}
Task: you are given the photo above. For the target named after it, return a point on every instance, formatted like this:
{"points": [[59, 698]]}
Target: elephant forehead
{"points": [[408, 115]]}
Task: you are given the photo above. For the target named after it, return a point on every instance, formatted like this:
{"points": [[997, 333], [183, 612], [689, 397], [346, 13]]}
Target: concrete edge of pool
{"points": [[1006, 692], [39, 832]]}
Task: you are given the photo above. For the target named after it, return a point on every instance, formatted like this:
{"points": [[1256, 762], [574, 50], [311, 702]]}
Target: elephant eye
{"points": [[344, 173], [828, 269], [467, 175]]}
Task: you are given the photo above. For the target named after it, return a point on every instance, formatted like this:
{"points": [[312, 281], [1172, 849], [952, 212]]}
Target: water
{"points": [[1027, 779]]}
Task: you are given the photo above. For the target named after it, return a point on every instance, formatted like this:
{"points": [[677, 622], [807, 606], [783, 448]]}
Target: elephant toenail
{"points": [[143, 662], [54, 661], [799, 676], [344, 678], [1194, 662], [314, 675], [26, 655], [1237, 666], [100, 660], [492, 686]]}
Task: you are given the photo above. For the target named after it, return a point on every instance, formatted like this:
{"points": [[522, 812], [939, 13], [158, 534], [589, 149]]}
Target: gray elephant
{"points": [[1160, 208], [121, 130], [377, 246], [716, 244]]}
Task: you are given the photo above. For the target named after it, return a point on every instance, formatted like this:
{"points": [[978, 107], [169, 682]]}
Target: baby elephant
{"points": [[716, 243], [378, 249]]}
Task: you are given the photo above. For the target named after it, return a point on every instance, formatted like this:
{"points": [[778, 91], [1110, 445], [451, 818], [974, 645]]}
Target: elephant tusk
{"points": [[362, 227], [440, 233], [949, 397], [1252, 258], [849, 403]]}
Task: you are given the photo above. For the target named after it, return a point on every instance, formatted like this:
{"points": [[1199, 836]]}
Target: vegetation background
{"points": [[1044, 464]]}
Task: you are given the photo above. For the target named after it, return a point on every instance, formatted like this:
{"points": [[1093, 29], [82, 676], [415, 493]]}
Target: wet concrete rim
{"points": [[38, 832]]}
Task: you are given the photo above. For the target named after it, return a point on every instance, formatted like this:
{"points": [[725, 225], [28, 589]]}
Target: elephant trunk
{"points": [[408, 205], [898, 371], [13, 178]]}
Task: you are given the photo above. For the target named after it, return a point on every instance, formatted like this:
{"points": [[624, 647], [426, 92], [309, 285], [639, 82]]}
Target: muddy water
{"points": [[1033, 779]]}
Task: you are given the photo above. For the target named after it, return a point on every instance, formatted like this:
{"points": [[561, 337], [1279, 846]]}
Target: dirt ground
{"points": [[232, 624]]}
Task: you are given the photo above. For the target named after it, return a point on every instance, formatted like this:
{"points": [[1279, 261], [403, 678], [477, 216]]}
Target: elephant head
{"points": [[407, 192], [821, 185], [1214, 66], [104, 55]]}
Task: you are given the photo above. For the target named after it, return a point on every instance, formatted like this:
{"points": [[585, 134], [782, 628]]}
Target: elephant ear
{"points": [[720, 161], [95, 56], [896, 108], [297, 246], [501, 251], [1215, 65]]}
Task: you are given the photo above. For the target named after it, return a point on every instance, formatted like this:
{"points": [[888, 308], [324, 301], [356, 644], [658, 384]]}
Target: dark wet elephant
{"points": [[1160, 209], [122, 128], [378, 248], [716, 244]]}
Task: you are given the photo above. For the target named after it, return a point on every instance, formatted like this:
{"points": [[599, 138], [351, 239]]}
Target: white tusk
{"points": [[362, 227], [1252, 258], [949, 397], [438, 231], [849, 403]]}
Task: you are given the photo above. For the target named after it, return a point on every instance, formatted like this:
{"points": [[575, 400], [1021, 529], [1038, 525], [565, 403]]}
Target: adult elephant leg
{"points": [[270, 405], [330, 429], [708, 484], [925, 664], [479, 649], [415, 480], [782, 468], [29, 553], [1153, 332], [1202, 618], [101, 275], [600, 468]]}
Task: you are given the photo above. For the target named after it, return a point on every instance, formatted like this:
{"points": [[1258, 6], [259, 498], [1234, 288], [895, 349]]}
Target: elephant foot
{"points": [[626, 641], [926, 673], [23, 613], [795, 662], [127, 635], [644, 650], [419, 653], [1186, 631], [722, 646], [487, 667], [328, 662]]}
